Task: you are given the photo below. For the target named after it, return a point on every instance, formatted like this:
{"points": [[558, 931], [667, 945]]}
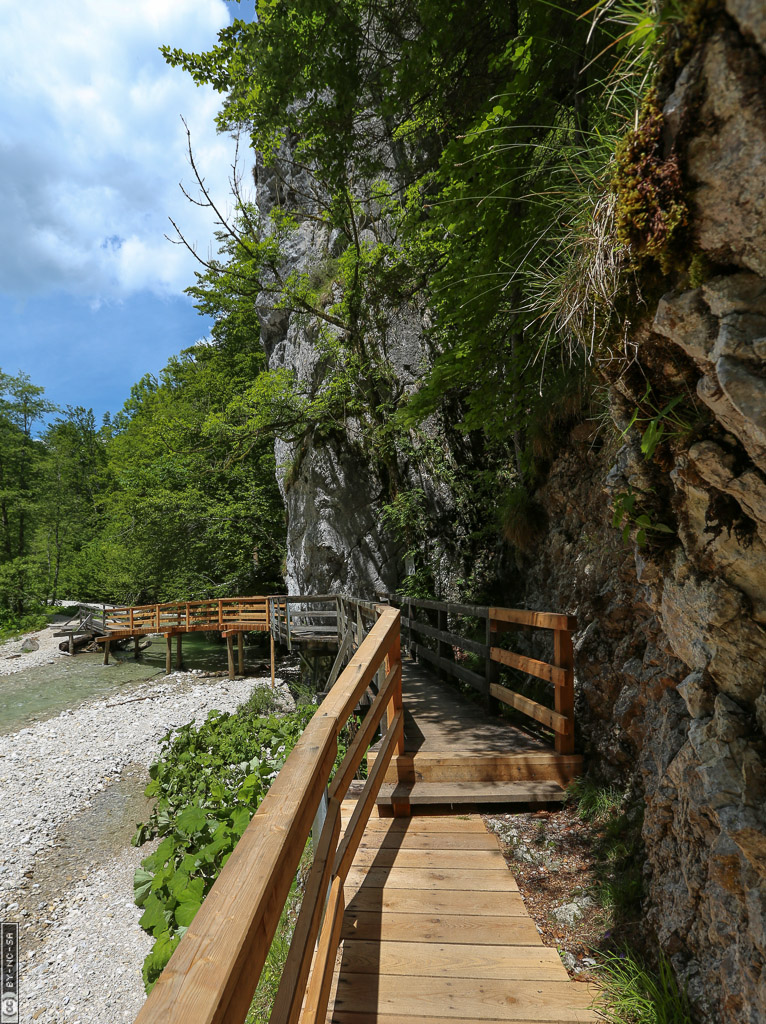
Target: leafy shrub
{"points": [[209, 781]]}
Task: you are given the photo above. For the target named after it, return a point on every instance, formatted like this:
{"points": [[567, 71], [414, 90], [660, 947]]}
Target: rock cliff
{"points": [[671, 657]]}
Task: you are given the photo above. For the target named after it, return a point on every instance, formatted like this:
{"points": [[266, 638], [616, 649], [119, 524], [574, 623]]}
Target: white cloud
{"points": [[92, 146]]}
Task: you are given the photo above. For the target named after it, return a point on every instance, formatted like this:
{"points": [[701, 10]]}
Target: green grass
{"points": [[617, 848], [595, 803], [634, 994]]}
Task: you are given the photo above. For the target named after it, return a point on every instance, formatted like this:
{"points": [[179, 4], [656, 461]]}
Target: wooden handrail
{"points": [[560, 673], [230, 613], [212, 975]]}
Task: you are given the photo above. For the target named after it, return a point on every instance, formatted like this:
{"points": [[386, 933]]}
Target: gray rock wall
{"points": [[671, 663], [333, 491]]}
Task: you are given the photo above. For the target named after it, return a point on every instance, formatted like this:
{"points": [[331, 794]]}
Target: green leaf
{"points": [[191, 820], [142, 881], [153, 917], [185, 912], [240, 819]]}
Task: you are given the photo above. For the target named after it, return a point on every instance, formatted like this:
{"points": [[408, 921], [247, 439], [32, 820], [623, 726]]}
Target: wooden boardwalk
{"points": [[435, 931], [457, 754]]}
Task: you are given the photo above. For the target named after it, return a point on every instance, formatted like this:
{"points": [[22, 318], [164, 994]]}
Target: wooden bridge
{"points": [[230, 616], [404, 919]]}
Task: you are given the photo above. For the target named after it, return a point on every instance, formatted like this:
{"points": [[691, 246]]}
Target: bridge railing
{"points": [[211, 977], [228, 613], [314, 614], [443, 625]]}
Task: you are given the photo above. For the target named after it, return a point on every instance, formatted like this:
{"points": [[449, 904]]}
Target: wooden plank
{"points": [[453, 960], [432, 860], [292, 985], [212, 974], [408, 996], [454, 879], [357, 675], [355, 752], [563, 655], [435, 766], [460, 842], [347, 1017], [356, 825], [477, 930], [541, 620], [454, 639], [553, 719], [541, 669], [453, 667], [444, 901], [318, 992], [453, 823], [421, 794]]}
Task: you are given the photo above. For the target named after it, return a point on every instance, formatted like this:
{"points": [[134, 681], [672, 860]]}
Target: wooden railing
{"points": [[228, 613], [289, 613], [447, 639], [212, 975]]}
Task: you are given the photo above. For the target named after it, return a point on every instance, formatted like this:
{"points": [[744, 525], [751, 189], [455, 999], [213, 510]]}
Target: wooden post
{"points": [[272, 661], [241, 653], [491, 668], [179, 652], [188, 621], [443, 649], [157, 617], [230, 652], [287, 623], [131, 619], [71, 644], [563, 657], [106, 651], [394, 657], [168, 654], [220, 614]]}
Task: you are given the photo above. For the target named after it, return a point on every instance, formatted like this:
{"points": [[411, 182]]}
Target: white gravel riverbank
{"points": [[14, 659], [81, 947]]}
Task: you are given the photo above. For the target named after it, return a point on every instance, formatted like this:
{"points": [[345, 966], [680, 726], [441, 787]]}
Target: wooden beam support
{"points": [[563, 655], [541, 620], [230, 653], [241, 653], [168, 653], [553, 719], [106, 650], [541, 669]]}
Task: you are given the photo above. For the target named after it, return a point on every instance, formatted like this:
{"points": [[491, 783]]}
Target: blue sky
{"points": [[92, 150]]}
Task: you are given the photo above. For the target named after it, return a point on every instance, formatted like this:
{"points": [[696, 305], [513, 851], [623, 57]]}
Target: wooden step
{"points": [[433, 766], [450, 794]]}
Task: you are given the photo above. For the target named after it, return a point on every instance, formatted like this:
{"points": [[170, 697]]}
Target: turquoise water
{"points": [[43, 691]]}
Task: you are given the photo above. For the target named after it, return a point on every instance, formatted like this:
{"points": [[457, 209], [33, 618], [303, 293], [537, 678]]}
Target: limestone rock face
{"points": [[671, 657], [333, 492], [730, 203]]}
